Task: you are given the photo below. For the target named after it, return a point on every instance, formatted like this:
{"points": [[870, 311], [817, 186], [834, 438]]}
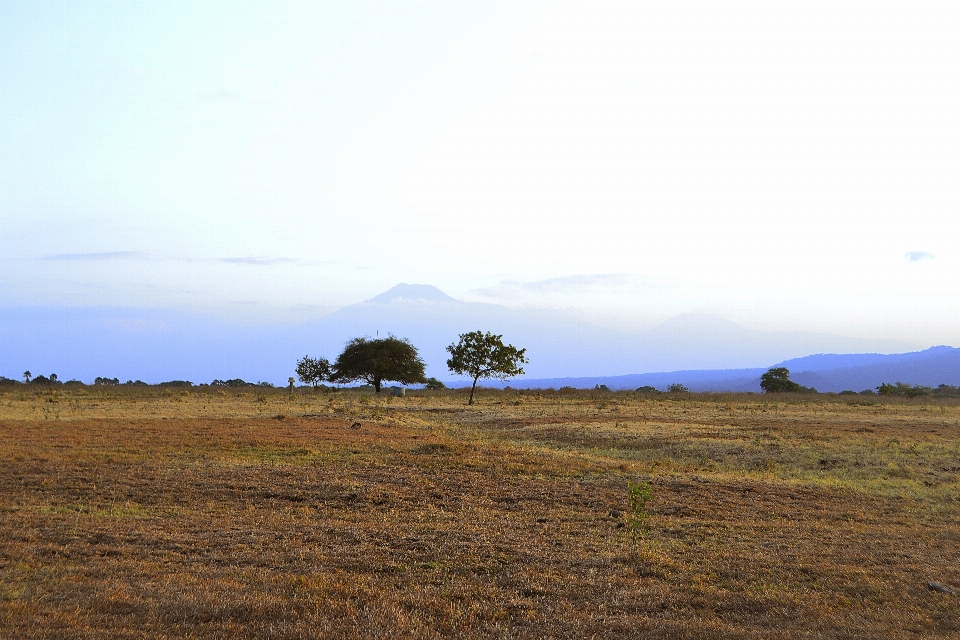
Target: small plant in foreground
{"points": [[640, 493]]}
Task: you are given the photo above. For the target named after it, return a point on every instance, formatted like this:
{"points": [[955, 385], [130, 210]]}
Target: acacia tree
{"points": [[374, 361], [777, 380], [313, 370], [480, 355]]}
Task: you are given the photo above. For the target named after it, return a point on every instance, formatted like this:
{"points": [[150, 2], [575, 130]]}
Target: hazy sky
{"points": [[792, 164]]}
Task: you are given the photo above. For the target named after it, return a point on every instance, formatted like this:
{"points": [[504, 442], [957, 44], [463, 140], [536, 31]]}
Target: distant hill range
{"points": [[559, 344], [823, 372], [703, 351]]}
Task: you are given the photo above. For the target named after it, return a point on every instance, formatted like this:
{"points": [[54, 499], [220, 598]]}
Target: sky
{"points": [[783, 164]]}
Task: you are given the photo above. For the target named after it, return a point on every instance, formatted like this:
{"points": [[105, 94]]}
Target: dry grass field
{"points": [[144, 513]]}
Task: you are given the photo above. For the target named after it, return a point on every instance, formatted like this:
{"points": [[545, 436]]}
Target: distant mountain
{"points": [[824, 372], [155, 345], [559, 344], [703, 341], [412, 292], [828, 361], [931, 367]]}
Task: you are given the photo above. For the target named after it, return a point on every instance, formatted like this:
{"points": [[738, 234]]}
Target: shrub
{"points": [[904, 390], [434, 385], [234, 382], [640, 494], [947, 391]]}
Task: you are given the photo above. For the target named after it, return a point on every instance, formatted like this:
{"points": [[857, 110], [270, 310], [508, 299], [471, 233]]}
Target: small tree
{"points": [[777, 380], [374, 361], [480, 355], [313, 370], [676, 387], [26, 376], [433, 384]]}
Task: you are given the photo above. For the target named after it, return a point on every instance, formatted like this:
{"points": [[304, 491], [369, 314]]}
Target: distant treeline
{"points": [[908, 391], [898, 389], [52, 380]]}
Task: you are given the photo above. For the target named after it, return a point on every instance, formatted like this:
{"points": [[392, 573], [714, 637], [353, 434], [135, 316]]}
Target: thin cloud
{"points": [[585, 281], [512, 289], [217, 95], [917, 256], [255, 261], [106, 255]]}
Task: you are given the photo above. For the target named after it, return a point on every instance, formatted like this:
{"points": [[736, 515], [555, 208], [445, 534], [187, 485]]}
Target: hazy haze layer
{"points": [[153, 346], [787, 165]]}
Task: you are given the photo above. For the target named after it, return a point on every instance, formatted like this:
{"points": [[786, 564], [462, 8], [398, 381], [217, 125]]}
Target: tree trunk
{"points": [[376, 385], [472, 390]]}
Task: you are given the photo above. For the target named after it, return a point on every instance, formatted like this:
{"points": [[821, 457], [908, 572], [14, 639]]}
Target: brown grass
{"points": [[254, 514]]}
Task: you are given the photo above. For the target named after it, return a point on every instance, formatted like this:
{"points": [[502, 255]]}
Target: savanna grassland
{"points": [[149, 513]]}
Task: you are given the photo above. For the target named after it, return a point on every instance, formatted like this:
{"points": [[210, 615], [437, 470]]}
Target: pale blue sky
{"points": [[782, 164]]}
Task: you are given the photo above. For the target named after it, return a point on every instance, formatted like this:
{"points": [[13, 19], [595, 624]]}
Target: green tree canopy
{"points": [[435, 385], [313, 370], [374, 361], [480, 355], [777, 380], [905, 390]]}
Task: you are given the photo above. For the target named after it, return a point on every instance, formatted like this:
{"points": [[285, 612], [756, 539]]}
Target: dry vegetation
{"points": [[203, 514]]}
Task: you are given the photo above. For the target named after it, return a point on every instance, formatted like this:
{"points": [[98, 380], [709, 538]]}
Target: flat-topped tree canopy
{"points": [[378, 360]]}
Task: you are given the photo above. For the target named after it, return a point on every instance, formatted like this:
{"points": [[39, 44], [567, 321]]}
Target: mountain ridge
{"points": [[930, 367], [404, 291], [156, 345]]}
